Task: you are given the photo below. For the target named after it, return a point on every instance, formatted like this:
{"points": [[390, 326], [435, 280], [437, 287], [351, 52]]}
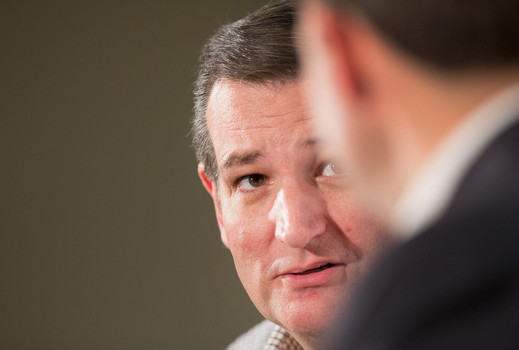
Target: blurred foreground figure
{"points": [[296, 237], [420, 101]]}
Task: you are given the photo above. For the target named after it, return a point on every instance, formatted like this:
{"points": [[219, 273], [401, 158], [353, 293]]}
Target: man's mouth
{"points": [[317, 269], [318, 274]]}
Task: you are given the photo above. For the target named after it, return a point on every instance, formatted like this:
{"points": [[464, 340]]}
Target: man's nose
{"points": [[299, 215]]}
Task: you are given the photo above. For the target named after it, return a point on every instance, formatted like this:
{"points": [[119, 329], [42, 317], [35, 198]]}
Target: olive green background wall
{"points": [[107, 239]]}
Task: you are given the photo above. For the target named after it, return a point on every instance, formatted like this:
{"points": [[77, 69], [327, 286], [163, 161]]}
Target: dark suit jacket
{"points": [[455, 285]]}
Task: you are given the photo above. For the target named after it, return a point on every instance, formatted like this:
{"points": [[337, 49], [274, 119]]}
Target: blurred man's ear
{"points": [[212, 188], [336, 41]]}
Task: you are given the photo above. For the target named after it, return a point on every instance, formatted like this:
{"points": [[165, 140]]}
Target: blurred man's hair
{"points": [[258, 49], [447, 34]]}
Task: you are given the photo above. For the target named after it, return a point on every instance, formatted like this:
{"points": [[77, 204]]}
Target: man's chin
{"points": [[309, 326], [310, 317]]}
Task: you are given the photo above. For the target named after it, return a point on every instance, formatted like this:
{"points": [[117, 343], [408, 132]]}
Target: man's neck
{"points": [[310, 342], [431, 111], [431, 186]]}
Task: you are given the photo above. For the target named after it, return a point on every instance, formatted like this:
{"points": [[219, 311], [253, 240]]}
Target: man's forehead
{"points": [[237, 102], [244, 118]]}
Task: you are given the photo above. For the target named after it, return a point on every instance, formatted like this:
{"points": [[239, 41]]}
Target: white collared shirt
{"points": [[430, 191]]}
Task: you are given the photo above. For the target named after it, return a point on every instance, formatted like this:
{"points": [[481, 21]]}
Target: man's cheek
{"points": [[245, 237]]}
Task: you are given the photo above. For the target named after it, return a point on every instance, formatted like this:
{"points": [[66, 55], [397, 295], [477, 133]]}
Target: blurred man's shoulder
{"points": [[254, 338]]}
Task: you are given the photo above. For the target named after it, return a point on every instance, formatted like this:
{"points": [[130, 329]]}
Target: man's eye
{"points": [[251, 182], [331, 169]]}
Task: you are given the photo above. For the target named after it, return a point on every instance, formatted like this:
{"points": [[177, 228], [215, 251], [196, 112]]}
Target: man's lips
{"points": [[309, 268], [314, 270], [314, 275]]}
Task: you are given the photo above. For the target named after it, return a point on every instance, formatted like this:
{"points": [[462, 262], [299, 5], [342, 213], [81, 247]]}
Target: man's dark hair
{"points": [[447, 34], [258, 49]]}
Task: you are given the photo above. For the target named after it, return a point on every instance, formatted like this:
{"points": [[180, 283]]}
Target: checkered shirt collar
{"points": [[280, 339]]}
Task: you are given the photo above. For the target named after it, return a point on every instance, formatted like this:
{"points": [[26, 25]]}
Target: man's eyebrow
{"points": [[237, 159]]}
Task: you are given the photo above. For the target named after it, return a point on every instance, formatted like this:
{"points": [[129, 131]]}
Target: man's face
{"points": [[297, 239]]}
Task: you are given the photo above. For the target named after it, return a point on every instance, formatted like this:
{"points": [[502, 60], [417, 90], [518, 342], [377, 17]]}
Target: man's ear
{"points": [[212, 188], [336, 38]]}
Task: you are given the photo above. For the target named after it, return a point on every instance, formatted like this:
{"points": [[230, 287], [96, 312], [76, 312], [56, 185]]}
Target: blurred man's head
{"points": [[389, 79], [447, 35], [297, 238]]}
